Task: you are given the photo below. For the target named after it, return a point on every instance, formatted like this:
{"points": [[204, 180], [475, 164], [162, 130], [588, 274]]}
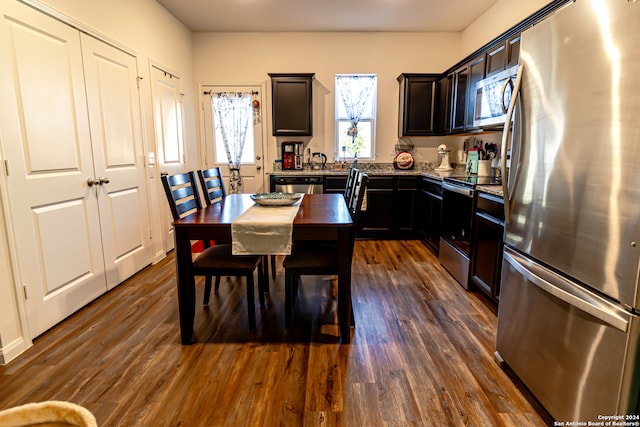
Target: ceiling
{"points": [[326, 15]]}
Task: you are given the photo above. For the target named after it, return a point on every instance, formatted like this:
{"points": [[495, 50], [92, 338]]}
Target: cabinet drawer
{"points": [[432, 186], [380, 182], [407, 182], [491, 205], [335, 184]]}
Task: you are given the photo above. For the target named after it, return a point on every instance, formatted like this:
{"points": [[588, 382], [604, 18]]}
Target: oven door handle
{"points": [[456, 189]]}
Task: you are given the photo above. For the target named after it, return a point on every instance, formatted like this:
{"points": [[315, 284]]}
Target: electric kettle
{"points": [[318, 161]]}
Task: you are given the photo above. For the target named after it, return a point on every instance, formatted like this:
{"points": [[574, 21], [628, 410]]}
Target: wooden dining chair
{"points": [[348, 190], [217, 260], [317, 258], [212, 184]]}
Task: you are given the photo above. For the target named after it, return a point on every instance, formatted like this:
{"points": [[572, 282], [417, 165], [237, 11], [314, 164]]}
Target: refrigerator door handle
{"points": [[503, 150], [576, 297]]}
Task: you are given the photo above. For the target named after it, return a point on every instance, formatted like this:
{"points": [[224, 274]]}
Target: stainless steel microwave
{"points": [[493, 95]]}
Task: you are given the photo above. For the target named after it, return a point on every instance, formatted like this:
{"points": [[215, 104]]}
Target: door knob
{"points": [[258, 167], [104, 180], [91, 182], [257, 157]]}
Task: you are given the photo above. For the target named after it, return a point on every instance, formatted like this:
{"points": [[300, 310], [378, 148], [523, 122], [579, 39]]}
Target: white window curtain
{"points": [[355, 91], [232, 111]]}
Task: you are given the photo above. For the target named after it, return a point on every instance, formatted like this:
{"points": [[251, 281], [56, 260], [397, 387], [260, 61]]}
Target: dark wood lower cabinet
{"points": [[391, 208], [487, 245], [430, 212], [405, 207], [334, 184], [377, 219]]}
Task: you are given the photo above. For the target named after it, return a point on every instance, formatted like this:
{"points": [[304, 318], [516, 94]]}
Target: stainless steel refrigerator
{"points": [[568, 322]]}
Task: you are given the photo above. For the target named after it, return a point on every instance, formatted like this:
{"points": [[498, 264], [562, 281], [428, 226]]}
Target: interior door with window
{"points": [[252, 167], [168, 120]]}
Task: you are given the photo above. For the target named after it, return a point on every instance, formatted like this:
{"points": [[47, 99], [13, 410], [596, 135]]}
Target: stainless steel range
{"points": [[458, 202]]}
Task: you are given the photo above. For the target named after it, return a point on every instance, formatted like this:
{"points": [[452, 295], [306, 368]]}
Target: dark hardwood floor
{"points": [[421, 354]]}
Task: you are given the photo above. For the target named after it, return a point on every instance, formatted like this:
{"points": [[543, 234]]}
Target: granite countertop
{"points": [[496, 190], [385, 169], [338, 172]]}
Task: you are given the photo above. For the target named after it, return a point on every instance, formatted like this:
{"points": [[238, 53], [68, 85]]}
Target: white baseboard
{"points": [[13, 350]]}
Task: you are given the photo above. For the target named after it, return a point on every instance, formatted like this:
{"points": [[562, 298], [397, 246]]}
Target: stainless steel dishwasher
{"points": [[297, 184]]}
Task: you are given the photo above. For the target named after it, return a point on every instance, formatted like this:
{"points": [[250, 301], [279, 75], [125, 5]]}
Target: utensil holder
{"points": [[484, 167]]}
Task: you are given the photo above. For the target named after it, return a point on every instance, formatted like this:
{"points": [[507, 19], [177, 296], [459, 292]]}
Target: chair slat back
{"points": [[182, 194], [359, 190], [212, 185], [348, 190]]}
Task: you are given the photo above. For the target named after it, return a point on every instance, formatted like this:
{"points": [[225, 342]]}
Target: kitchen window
{"points": [[355, 98]]}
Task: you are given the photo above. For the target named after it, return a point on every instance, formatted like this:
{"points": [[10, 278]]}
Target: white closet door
{"points": [[47, 142], [166, 91], [118, 153]]}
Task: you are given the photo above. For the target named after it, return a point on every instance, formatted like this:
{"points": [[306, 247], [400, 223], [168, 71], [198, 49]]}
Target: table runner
{"points": [[264, 230]]}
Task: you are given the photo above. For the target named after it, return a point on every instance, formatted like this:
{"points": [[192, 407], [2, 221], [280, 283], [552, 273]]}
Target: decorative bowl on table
{"points": [[276, 199]]}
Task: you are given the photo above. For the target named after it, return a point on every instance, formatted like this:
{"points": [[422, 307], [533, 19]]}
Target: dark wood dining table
{"points": [[320, 217]]}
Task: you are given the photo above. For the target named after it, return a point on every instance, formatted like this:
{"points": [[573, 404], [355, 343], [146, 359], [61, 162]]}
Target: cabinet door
{"points": [[430, 212], [487, 254], [444, 96], [47, 141], [291, 101], [417, 104], [334, 184], [503, 56], [513, 51], [405, 206], [459, 102], [476, 73], [377, 220], [497, 59]]}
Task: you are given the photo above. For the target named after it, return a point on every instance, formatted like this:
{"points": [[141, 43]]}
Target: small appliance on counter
{"points": [[292, 155], [318, 160], [444, 153]]}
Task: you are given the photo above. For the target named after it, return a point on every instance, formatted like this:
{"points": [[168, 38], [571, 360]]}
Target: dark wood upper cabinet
{"points": [[292, 104], [417, 104], [443, 112], [504, 55], [496, 59], [476, 73], [459, 98], [513, 51]]}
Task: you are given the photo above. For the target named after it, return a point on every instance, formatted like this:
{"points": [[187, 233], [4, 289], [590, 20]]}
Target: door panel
{"points": [[252, 172], [65, 251], [168, 124], [48, 145], [168, 120], [114, 112], [569, 346]]}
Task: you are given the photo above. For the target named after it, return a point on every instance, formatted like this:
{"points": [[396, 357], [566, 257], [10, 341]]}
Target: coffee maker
{"points": [[292, 155]]}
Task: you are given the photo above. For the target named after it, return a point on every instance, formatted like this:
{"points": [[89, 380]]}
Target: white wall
{"points": [[226, 58]]}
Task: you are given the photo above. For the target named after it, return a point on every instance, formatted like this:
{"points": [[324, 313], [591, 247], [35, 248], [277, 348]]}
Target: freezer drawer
{"points": [[573, 349]]}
